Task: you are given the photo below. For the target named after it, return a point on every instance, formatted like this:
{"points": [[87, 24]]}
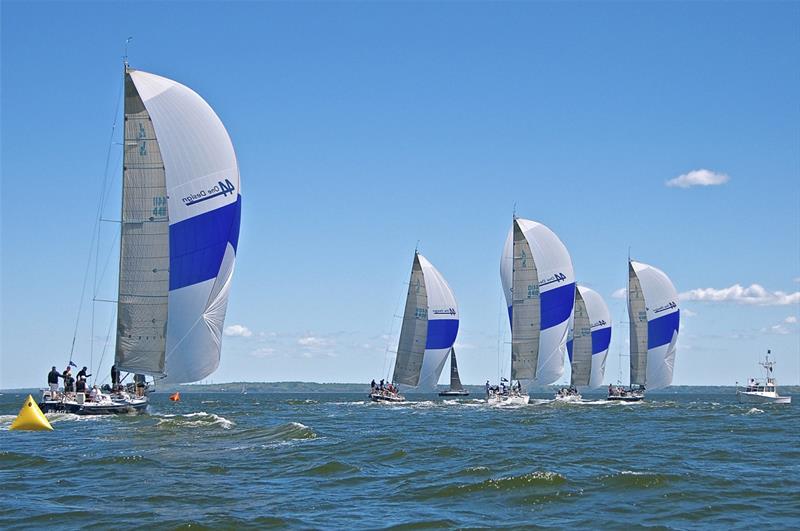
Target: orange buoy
{"points": [[175, 397]]}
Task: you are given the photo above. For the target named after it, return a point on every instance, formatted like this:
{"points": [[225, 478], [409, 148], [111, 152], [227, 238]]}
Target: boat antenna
{"points": [[514, 211], [416, 248], [125, 57]]}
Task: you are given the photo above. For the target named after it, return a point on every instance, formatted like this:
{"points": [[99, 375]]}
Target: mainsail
{"points": [[430, 325], [180, 229], [539, 285], [455, 381], [579, 345], [655, 319]]}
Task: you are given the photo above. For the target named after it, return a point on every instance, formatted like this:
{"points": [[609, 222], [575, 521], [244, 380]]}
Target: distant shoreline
{"points": [[322, 388]]}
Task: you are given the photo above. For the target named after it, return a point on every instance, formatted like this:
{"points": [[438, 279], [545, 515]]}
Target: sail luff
{"points": [[142, 300], [637, 314], [414, 331], [525, 309]]}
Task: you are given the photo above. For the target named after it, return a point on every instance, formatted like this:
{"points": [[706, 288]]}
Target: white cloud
{"points": [[790, 320], [621, 293], [237, 331], [312, 341], [796, 279], [754, 294], [698, 178], [686, 312]]}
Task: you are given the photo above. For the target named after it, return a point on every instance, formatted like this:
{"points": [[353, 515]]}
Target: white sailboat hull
{"points": [[568, 398], [506, 400]]}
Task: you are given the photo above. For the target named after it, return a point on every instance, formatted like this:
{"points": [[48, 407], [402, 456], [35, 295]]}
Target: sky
{"points": [[668, 129]]}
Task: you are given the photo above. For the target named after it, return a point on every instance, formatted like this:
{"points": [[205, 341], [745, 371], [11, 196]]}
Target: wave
{"points": [[532, 479], [331, 468], [261, 437], [754, 411], [632, 479], [193, 420]]}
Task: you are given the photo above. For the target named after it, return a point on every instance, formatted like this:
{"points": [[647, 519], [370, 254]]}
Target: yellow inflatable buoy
{"points": [[31, 417]]}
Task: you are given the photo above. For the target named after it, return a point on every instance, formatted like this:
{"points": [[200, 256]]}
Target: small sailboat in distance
{"points": [[455, 389], [539, 286], [181, 208], [762, 393], [430, 326], [654, 322], [587, 346]]}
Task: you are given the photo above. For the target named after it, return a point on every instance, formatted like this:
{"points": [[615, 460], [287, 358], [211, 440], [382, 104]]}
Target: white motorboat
{"points": [[762, 393]]}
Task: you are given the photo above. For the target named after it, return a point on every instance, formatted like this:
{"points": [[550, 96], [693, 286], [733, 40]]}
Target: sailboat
{"points": [[430, 326], [539, 286], [654, 322], [455, 389], [181, 207], [587, 345]]}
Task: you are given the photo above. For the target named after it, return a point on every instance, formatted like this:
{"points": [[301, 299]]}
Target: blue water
{"points": [[686, 460]]}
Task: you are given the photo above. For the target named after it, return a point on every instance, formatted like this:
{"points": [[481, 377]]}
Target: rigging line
{"points": [[96, 225], [385, 370], [103, 354]]}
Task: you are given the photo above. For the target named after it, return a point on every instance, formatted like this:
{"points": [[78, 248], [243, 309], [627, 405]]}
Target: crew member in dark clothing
{"points": [[82, 374], [139, 380], [69, 381], [114, 377], [80, 385], [52, 379]]}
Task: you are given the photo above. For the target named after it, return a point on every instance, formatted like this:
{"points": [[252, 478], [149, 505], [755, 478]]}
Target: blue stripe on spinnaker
{"points": [[660, 330], [556, 305], [569, 349], [441, 333], [601, 339], [197, 245]]}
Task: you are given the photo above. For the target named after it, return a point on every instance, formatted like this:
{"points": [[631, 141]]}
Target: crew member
{"points": [[114, 377], [52, 380], [69, 381], [82, 374]]}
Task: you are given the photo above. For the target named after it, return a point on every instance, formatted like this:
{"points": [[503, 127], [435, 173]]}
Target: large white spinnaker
{"points": [[181, 213], [539, 286], [430, 326], [655, 319]]}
